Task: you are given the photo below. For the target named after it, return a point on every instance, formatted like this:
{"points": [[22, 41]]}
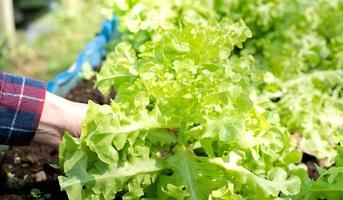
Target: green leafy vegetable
{"points": [[184, 83], [197, 116]]}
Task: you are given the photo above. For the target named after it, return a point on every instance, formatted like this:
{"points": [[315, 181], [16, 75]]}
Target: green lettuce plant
{"points": [[182, 125], [196, 117]]}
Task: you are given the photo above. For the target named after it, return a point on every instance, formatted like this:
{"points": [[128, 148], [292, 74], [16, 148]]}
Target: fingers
{"points": [[74, 117]]}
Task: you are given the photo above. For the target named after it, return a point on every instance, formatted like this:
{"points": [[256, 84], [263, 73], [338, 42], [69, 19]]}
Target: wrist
{"points": [[53, 112]]}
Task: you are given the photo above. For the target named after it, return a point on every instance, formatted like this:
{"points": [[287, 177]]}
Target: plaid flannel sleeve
{"points": [[21, 105]]}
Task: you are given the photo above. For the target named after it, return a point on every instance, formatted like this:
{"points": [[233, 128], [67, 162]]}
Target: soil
{"points": [[85, 91], [311, 162], [30, 172], [30, 168]]}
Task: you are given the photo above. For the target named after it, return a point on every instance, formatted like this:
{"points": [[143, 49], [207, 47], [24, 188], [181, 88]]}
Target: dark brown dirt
{"points": [[30, 172], [311, 163], [85, 91], [30, 167]]}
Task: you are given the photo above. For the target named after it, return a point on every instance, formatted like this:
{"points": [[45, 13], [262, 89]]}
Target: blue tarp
{"points": [[93, 54]]}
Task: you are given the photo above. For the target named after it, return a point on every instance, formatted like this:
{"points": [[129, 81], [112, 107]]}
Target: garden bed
{"points": [[30, 172]]}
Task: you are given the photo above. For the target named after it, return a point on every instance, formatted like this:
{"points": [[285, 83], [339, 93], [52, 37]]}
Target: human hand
{"points": [[59, 115]]}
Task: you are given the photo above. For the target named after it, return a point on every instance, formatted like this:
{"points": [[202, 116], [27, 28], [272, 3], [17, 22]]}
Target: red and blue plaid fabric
{"points": [[21, 105]]}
